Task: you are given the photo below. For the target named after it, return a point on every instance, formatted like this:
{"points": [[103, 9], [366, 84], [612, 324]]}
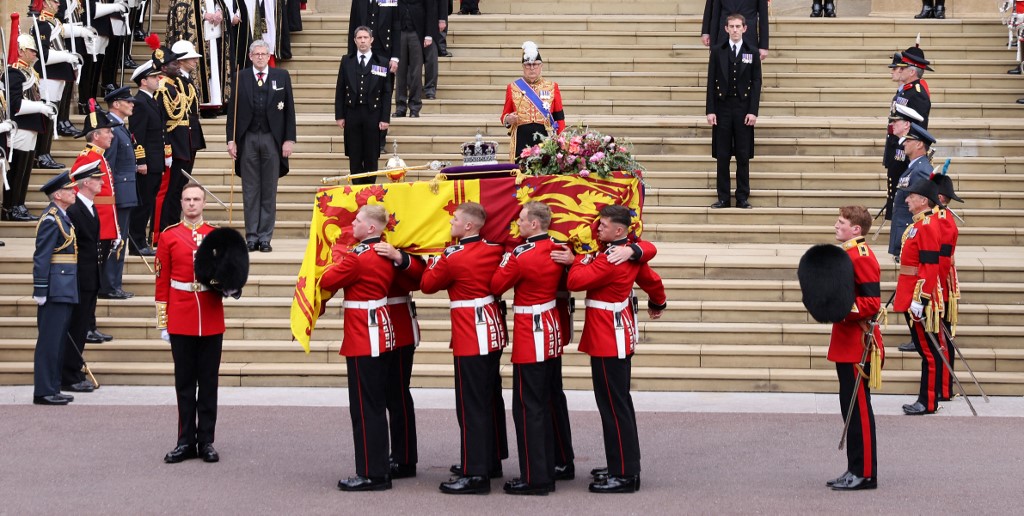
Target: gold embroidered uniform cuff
{"points": [[161, 316]]}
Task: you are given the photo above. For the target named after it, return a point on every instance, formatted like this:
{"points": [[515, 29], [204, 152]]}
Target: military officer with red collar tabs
{"points": [[402, 310], [610, 338], [190, 317], [478, 337], [369, 337]]}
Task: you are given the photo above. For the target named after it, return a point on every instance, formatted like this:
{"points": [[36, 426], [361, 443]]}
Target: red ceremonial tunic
{"points": [[365, 277], [465, 270], [948, 234], [517, 102], [190, 308], [537, 334], [919, 259], [400, 303], [847, 342], [105, 206], [609, 328]]}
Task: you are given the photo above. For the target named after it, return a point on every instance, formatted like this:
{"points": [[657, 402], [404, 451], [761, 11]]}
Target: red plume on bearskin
{"points": [[222, 262], [153, 41], [826, 281], [12, 47]]}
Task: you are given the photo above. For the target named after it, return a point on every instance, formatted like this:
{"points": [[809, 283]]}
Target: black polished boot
{"points": [[64, 128], [940, 9], [46, 161], [130, 63], [816, 9], [830, 9], [23, 215], [927, 11]]}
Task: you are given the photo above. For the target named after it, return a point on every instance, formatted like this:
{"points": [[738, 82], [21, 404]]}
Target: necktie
{"points": [[259, 78], [734, 49], [362, 61]]}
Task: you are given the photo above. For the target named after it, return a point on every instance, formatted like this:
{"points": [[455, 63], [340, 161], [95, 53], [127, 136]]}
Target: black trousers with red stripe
{"points": [[611, 377], [933, 372], [564, 454], [861, 448], [367, 384], [401, 412], [531, 412], [481, 416], [196, 365]]}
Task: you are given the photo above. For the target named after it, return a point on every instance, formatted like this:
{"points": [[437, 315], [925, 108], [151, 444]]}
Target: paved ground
{"points": [[283, 450]]}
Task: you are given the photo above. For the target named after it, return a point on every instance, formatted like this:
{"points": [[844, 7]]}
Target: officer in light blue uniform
{"points": [[916, 143], [54, 288]]}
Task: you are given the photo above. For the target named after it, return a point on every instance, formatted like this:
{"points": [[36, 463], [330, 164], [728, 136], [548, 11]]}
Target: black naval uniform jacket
{"points": [[178, 136], [914, 96], [755, 11], [196, 139], [730, 76], [382, 20], [87, 236], [360, 87], [280, 110], [147, 127]]}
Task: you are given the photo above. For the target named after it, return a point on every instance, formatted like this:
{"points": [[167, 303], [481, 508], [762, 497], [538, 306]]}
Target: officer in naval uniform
{"points": [[362, 104]]}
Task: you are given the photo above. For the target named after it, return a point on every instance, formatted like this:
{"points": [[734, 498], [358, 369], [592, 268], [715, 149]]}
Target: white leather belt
{"points": [[617, 320], [407, 301], [538, 326], [401, 300], [482, 342], [372, 325], [533, 309], [194, 286]]}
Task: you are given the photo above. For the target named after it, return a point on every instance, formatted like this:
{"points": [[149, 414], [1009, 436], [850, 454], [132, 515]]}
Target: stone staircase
{"points": [[735, 321]]}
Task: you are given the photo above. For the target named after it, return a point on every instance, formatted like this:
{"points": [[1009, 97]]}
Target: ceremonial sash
{"points": [[534, 99]]}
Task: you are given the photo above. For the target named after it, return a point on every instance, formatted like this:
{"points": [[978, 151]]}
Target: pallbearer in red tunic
{"points": [[533, 105], [610, 338], [478, 337], [369, 337], [917, 294], [402, 310], [846, 348], [191, 317], [948, 234]]}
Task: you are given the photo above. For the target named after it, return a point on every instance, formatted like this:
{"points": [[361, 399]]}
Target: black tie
{"points": [[259, 80], [362, 61], [734, 49]]}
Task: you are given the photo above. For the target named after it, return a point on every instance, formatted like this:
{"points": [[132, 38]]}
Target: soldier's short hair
{"points": [[858, 216], [540, 212], [473, 211], [376, 213], [617, 214], [193, 184], [362, 28]]}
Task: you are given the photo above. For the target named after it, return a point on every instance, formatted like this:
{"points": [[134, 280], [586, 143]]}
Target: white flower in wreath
{"points": [[280, 106]]}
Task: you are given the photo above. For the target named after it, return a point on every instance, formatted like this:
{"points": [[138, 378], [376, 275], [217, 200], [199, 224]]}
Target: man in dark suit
{"points": [[362, 104], [755, 12], [83, 215], [260, 134], [123, 167], [146, 124], [418, 19], [734, 93]]}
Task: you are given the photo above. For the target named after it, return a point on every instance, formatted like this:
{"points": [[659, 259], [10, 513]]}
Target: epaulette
{"points": [[523, 248], [862, 249], [917, 87], [452, 249], [360, 249]]}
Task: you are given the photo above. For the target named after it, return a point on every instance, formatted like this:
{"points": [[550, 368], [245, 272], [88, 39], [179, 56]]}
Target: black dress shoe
{"points": [[1014, 71], [208, 454], [414, 114], [398, 114], [854, 483], [265, 247], [145, 251], [616, 484], [105, 336], [139, 36], [565, 472], [456, 469], [21, 214], [252, 246], [46, 161], [126, 294], [180, 453], [130, 63], [116, 294], [67, 397], [93, 337], [466, 485], [720, 204], [66, 128], [907, 347], [82, 386], [358, 483], [402, 470], [447, 54], [49, 400], [430, 96], [838, 479], [108, 89], [917, 409], [743, 204], [518, 487], [599, 472], [1020, 101]]}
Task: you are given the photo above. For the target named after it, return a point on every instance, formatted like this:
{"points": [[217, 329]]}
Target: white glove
{"points": [[72, 5], [6, 126], [164, 335], [116, 244], [917, 309], [40, 300], [78, 31], [63, 56], [108, 9], [31, 107], [133, 3], [167, 161], [50, 110]]}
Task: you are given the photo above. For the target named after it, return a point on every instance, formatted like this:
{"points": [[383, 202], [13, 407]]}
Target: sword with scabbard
{"points": [[869, 342], [95, 384], [945, 361], [964, 361], [205, 189]]}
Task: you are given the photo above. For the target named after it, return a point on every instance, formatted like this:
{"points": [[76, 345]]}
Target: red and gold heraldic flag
{"points": [[419, 215]]}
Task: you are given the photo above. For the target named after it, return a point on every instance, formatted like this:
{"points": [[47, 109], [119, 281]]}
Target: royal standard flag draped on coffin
{"points": [[419, 215]]}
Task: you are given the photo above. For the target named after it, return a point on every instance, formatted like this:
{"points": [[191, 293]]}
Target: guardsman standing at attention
{"points": [[362, 104], [478, 337], [610, 338], [402, 311], [948, 233], [191, 317], [369, 338], [916, 289], [533, 105], [54, 288], [846, 348]]}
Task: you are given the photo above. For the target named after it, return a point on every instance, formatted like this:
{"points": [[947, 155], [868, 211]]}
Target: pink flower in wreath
{"points": [[597, 157], [527, 152], [584, 173]]}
